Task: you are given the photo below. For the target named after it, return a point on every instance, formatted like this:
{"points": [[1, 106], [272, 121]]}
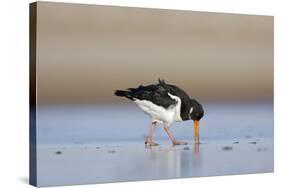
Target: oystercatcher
{"points": [[165, 103]]}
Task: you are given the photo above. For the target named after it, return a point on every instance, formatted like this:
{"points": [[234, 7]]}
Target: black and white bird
{"points": [[165, 103]]}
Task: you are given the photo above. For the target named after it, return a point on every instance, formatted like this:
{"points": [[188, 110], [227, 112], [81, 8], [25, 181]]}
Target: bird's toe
{"points": [[179, 143], [151, 143]]}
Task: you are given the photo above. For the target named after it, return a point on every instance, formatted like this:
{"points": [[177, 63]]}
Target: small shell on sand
{"points": [[227, 148], [58, 152], [186, 148], [252, 142]]}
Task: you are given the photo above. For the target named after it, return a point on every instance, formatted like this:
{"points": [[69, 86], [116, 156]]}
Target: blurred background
{"points": [[86, 52]]}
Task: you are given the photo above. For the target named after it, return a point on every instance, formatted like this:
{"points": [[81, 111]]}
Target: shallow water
{"points": [[98, 144], [67, 124]]}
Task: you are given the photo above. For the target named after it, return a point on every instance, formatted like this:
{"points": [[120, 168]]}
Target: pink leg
{"points": [[149, 140], [172, 138]]}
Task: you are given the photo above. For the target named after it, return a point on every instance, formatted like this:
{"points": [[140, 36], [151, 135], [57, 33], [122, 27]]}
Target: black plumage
{"points": [[154, 93], [166, 103], [158, 94]]}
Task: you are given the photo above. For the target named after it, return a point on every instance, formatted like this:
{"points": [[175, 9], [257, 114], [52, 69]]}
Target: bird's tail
{"points": [[122, 93]]}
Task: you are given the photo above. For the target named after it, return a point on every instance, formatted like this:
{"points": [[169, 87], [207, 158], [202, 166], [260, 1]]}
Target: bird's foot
{"points": [[179, 143], [150, 143]]}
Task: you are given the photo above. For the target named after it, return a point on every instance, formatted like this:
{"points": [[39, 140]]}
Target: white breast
{"points": [[159, 113]]}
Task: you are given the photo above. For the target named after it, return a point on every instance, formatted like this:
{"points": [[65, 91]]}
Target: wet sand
{"points": [[132, 161], [105, 143]]}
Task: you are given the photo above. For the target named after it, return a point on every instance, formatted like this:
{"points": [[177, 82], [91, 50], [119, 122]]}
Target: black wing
{"points": [[185, 99], [154, 93], [174, 90]]}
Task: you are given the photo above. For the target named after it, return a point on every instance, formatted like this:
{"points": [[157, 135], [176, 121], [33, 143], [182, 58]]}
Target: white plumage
{"points": [[159, 113]]}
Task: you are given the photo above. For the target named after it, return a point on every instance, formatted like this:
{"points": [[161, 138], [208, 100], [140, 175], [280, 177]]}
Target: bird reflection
{"points": [[175, 161], [196, 149]]}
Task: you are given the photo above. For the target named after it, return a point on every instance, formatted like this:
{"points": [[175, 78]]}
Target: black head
{"points": [[196, 110]]}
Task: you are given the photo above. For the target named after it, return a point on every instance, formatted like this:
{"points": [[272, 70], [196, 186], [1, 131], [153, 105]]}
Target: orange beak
{"points": [[196, 132]]}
